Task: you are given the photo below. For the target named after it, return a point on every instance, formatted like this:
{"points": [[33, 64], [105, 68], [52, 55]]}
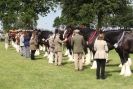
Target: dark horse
{"points": [[120, 40], [42, 36]]}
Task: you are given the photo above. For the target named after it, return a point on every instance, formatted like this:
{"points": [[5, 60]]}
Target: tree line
{"points": [[24, 13], [97, 12]]}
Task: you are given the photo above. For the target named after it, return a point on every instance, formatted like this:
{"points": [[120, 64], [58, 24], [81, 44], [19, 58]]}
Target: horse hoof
{"points": [[126, 75]]}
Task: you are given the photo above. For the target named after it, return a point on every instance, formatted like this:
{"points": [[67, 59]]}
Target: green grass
{"points": [[17, 72]]}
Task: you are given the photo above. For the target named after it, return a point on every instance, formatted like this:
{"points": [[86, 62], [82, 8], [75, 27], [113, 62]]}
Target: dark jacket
{"points": [[78, 43], [26, 41]]}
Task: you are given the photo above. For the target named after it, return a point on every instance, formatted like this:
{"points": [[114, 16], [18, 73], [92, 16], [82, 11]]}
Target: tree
{"points": [[23, 13], [86, 11]]}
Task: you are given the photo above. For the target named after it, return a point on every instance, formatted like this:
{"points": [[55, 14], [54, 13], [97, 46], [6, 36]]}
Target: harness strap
{"points": [[92, 37], [116, 44]]}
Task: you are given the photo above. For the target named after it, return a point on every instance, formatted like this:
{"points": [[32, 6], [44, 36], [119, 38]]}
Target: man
{"points": [[51, 49], [58, 49], [78, 43]]}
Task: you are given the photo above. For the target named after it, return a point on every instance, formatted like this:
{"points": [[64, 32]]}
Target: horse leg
{"points": [[40, 47], [125, 70], [88, 57], [70, 55], [120, 53], [37, 52], [129, 61], [94, 65], [45, 49], [127, 65], [66, 52], [51, 57]]}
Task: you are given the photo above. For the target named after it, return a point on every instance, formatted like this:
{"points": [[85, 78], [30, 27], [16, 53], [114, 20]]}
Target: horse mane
{"points": [[119, 30]]}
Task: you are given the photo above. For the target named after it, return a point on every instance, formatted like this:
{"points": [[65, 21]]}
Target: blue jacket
{"points": [[26, 40]]}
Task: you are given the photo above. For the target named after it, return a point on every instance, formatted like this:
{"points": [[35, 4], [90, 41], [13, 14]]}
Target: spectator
{"points": [[51, 49], [58, 49], [26, 45], [78, 43], [33, 45], [22, 43], [100, 46], [6, 41]]}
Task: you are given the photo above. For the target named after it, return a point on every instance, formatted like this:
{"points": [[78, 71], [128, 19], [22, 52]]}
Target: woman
{"points": [[100, 46], [33, 44]]}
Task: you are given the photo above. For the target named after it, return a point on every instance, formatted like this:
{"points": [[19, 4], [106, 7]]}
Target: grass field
{"points": [[17, 72]]}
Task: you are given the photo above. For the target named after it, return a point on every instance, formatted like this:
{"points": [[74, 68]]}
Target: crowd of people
{"points": [[27, 44]]}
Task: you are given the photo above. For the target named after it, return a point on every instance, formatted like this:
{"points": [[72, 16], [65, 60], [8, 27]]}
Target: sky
{"points": [[47, 21]]}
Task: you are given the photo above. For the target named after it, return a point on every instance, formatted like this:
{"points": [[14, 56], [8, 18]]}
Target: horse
{"points": [[86, 32], [123, 40], [43, 44]]}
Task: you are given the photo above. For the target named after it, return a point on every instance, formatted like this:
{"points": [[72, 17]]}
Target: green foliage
{"points": [[88, 11], [23, 13], [125, 19]]}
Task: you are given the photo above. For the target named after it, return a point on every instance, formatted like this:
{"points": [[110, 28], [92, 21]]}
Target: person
{"points": [[26, 45], [58, 49], [51, 49], [101, 49], [17, 42], [6, 41], [78, 43], [22, 44], [33, 45]]}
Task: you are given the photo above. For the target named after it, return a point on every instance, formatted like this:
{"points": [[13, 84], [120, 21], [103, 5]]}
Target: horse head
{"points": [[68, 32]]}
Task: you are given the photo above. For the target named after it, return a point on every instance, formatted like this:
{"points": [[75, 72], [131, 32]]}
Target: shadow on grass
{"points": [[113, 71], [111, 65], [11, 48], [38, 58], [86, 67], [67, 62], [108, 74]]}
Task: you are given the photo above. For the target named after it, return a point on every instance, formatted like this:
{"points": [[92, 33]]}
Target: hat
{"points": [[76, 31]]}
